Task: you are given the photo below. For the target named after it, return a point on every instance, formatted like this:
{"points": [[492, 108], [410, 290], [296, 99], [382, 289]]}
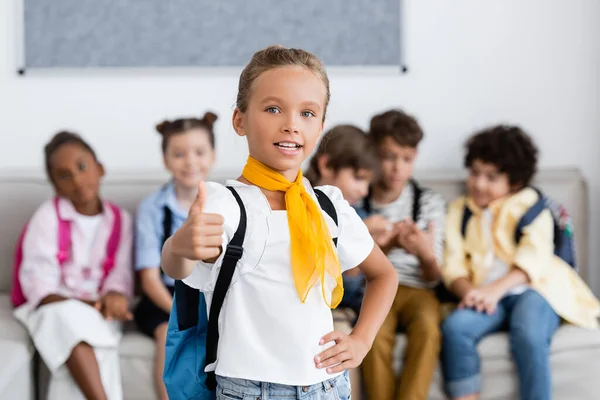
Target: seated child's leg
{"points": [[461, 332], [378, 372], [160, 338], [83, 366], [73, 337], [420, 316], [532, 322]]}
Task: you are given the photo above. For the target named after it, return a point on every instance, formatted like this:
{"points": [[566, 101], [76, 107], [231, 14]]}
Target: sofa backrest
{"points": [[21, 193]]}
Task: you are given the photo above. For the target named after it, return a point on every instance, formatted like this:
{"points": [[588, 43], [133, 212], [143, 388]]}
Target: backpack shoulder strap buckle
{"points": [[234, 251]]}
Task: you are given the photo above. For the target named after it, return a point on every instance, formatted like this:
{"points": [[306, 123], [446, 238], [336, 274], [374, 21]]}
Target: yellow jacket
{"points": [[550, 276]]}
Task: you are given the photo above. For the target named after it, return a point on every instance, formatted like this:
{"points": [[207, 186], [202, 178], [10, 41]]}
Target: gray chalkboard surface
{"points": [[205, 33]]}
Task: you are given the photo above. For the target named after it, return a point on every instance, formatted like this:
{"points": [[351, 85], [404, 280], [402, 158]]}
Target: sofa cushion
{"points": [[137, 366], [10, 328], [16, 370], [16, 352]]}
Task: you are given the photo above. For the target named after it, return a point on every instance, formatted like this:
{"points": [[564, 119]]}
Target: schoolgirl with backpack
{"points": [[72, 276]]}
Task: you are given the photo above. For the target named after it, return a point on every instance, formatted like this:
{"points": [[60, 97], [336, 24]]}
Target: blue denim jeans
{"points": [[531, 322], [337, 388]]}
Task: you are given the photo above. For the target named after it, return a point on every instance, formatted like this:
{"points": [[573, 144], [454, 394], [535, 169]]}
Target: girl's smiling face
{"points": [[284, 118]]}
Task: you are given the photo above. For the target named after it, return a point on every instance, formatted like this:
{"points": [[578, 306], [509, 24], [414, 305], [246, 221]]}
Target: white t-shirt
{"points": [[88, 225], [266, 333]]}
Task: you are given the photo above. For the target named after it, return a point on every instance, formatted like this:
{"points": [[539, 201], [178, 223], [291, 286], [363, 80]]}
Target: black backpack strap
{"points": [[233, 254], [366, 204], [167, 223], [467, 213], [416, 206], [328, 207], [530, 215]]}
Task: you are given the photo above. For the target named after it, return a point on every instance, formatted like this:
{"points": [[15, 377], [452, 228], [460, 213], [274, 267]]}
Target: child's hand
{"points": [[483, 299], [199, 238], [415, 241], [377, 224], [381, 229], [348, 352], [114, 306]]}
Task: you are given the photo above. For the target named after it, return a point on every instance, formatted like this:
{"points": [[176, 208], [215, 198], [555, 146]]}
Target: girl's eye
{"points": [[199, 153], [82, 166], [307, 114], [272, 110], [179, 155]]}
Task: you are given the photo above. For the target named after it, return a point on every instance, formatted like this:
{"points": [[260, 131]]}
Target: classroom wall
{"points": [[471, 63]]}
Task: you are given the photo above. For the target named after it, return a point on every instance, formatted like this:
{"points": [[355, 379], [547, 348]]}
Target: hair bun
{"points": [[163, 126], [210, 118]]}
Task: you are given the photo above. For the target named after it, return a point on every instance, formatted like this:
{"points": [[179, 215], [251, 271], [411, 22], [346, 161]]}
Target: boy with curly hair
{"points": [[522, 286]]}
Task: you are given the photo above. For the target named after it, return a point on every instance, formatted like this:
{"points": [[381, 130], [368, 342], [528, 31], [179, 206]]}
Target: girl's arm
{"points": [[39, 273], [155, 289], [356, 248], [200, 238], [350, 350]]}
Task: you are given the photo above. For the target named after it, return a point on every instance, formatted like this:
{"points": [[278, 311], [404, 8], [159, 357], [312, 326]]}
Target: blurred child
{"points": [[520, 285], [74, 276], [414, 247], [188, 147]]}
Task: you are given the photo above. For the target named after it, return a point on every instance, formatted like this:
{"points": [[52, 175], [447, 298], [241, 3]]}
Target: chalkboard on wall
{"points": [[204, 33]]}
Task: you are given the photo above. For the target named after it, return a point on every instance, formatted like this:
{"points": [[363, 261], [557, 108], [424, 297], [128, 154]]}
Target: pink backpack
{"points": [[64, 243]]}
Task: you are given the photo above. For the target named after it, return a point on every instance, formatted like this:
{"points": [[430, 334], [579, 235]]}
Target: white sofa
{"points": [[575, 352]]}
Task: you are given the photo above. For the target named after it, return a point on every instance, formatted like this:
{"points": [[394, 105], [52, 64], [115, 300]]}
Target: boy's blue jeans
{"points": [[531, 322]]}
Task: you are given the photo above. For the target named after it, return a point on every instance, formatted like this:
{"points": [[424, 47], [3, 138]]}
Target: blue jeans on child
{"points": [[337, 388], [531, 322]]}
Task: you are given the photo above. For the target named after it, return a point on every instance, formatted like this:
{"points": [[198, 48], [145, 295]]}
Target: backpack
{"points": [[192, 338], [564, 242], [64, 247]]}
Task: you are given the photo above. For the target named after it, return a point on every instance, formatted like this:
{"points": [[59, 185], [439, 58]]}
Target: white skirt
{"points": [[57, 328]]}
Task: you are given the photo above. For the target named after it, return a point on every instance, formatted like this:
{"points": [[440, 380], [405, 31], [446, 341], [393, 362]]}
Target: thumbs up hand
{"points": [[200, 236]]}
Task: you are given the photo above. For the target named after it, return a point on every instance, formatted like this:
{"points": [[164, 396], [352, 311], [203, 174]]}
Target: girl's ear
{"points": [[324, 170], [101, 170], [237, 121]]}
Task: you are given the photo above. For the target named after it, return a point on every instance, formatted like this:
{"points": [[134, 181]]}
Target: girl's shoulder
{"points": [[47, 211]]}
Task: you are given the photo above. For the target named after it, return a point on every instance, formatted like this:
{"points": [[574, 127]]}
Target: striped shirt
{"points": [[432, 209]]}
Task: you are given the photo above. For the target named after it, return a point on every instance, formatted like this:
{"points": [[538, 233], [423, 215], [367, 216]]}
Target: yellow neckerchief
{"points": [[313, 255]]}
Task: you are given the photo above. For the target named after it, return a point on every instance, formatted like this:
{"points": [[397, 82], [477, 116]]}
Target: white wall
{"points": [[472, 63]]}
